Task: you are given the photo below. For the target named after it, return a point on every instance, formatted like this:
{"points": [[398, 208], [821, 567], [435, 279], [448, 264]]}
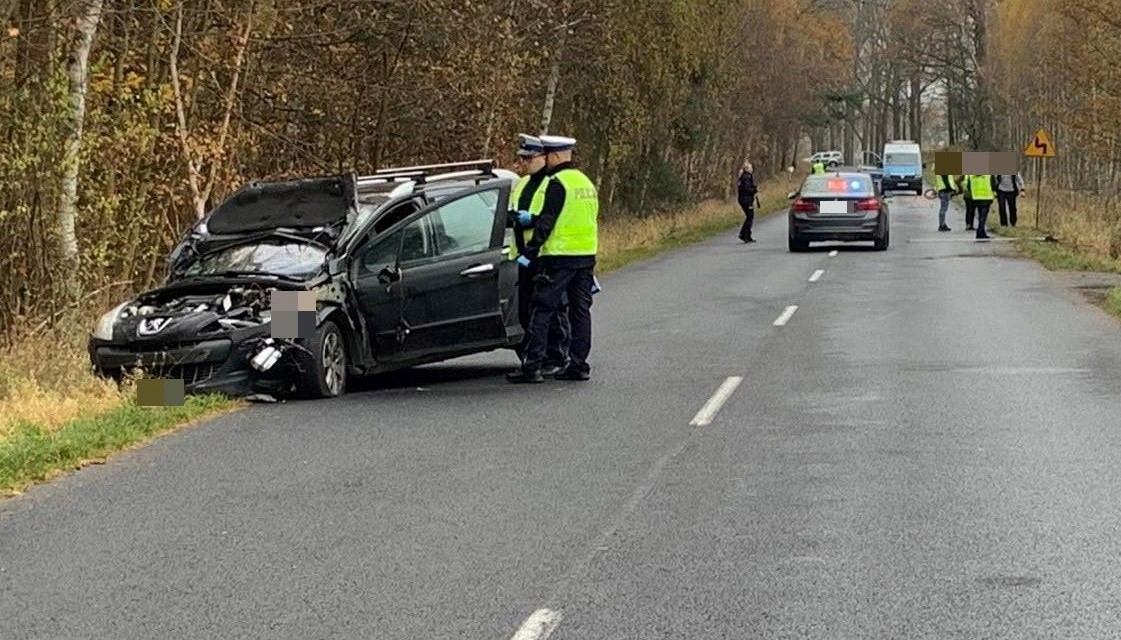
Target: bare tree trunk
{"points": [[200, 192], [228, 107], [193, 175], [78, 73], [916, 108], [554, 79]]}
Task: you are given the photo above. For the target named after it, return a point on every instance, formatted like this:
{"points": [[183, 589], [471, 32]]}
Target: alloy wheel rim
{"points": [[334, 363]]}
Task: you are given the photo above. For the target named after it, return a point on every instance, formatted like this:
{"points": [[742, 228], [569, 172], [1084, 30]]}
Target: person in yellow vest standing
{"points": [[564, 245], [981, 189], [527, 199], [818, 167]]}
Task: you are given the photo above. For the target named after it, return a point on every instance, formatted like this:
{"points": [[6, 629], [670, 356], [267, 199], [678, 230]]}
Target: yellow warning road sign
{"points": [[1040, 146]]}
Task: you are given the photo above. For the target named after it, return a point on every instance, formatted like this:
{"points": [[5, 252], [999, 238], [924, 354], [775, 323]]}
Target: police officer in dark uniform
{"points": [[564, 245], [528, 199]]}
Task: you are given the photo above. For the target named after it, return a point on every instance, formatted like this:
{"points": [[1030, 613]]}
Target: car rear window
{"points": [[843, 186]]}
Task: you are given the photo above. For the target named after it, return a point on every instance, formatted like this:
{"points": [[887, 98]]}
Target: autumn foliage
{"points": [[188, 100]]}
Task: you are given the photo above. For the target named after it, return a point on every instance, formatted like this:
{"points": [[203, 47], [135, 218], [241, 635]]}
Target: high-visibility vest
{"points": [[940, 181], [819, 167], [980, 187], [536, 204], [576, 232]]}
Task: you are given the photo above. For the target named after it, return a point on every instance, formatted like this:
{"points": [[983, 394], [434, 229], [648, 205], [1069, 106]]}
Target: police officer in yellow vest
{"points": [[981, 190], [527, 199], [819, 167], [564, 245]]}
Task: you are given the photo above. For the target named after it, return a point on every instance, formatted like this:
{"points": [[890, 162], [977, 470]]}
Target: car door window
{"points": [[466, 225], [417, 242], [381, 254]]}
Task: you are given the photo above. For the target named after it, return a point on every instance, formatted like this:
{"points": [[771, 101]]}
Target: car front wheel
{"points": [[323, 373]]}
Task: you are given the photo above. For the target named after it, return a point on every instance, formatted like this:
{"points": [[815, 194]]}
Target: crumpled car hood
{"points": [[315, 202]]}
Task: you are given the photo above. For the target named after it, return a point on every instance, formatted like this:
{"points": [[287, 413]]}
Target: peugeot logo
{"points": [[152, 326]]}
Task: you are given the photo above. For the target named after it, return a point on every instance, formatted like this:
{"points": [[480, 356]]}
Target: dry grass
{"points": [[55, 415], [1081, 222], [1087, 236], [45, 380]]}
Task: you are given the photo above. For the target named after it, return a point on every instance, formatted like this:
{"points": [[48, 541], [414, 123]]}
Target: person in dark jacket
{"points": [[1007, 190], [747, 195]]}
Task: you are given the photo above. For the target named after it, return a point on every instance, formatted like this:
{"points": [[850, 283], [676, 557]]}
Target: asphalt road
{"points": [[928, 447]]}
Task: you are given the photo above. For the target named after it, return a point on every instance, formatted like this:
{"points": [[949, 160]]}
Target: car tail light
{"points": [[804, 206], [869, 204]]}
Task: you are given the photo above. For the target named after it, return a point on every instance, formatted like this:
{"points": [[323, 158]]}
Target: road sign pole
{"points": [[1039, 148], [1038, 189]]}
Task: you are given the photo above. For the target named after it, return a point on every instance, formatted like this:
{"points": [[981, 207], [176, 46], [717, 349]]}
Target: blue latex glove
{"points": [[525, 218], [524, 261]]}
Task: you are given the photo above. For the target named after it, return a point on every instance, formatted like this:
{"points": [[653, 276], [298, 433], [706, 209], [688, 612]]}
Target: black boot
{"points": [[550, 370], [523, 376], [573, 374]]}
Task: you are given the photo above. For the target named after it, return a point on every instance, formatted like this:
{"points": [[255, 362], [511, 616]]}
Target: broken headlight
{"points": [[104, 328]]}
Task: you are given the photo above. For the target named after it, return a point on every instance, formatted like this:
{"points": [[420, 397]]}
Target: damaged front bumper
{"points": [[246, 361]]}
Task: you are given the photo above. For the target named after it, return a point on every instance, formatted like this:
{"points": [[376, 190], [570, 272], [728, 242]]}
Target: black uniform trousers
{"points": [[970, 211], [1006, 201], [556, 352], [553, 285], [749, 219], [982, 207]]}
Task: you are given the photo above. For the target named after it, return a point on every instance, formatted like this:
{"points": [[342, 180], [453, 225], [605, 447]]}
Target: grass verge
{"points": [[55, 416], [1082, 255], [33, 453]]}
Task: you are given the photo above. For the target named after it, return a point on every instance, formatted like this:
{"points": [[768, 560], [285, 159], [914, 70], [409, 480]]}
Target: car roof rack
{"points": [[422, 174]]}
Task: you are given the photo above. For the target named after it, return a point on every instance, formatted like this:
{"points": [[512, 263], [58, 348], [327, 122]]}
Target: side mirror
{"points": [[792, 195], [389, 275]]}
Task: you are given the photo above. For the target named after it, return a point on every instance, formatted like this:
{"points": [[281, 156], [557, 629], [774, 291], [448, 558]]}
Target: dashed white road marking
{"points": [[817, 275], [538, 626], [833, 253], [712, 407], [786, 315]]}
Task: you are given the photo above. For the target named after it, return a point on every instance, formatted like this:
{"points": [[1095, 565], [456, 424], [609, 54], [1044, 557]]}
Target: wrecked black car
{"points": [[404, 267]]}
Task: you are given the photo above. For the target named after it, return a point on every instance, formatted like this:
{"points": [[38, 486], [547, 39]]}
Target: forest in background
{"points": [[122, 120]]}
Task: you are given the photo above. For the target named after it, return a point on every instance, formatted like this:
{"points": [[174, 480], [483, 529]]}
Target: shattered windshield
{"points": [[290, 259]]}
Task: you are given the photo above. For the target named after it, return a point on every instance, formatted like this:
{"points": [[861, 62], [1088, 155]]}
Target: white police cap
{"points": [[530, 145], [557, 143]]}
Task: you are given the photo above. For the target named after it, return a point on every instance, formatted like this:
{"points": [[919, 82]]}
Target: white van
{"points": [[902, 166]]}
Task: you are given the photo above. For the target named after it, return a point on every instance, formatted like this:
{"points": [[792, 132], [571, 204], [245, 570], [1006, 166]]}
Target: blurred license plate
{"points": [[833, 206]]}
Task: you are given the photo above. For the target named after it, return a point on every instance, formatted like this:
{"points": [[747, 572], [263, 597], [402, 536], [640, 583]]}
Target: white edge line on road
{"points": [[709, 411], [833, 253], [817, 274], [538, 626], [786, 316], [965, 239]]}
